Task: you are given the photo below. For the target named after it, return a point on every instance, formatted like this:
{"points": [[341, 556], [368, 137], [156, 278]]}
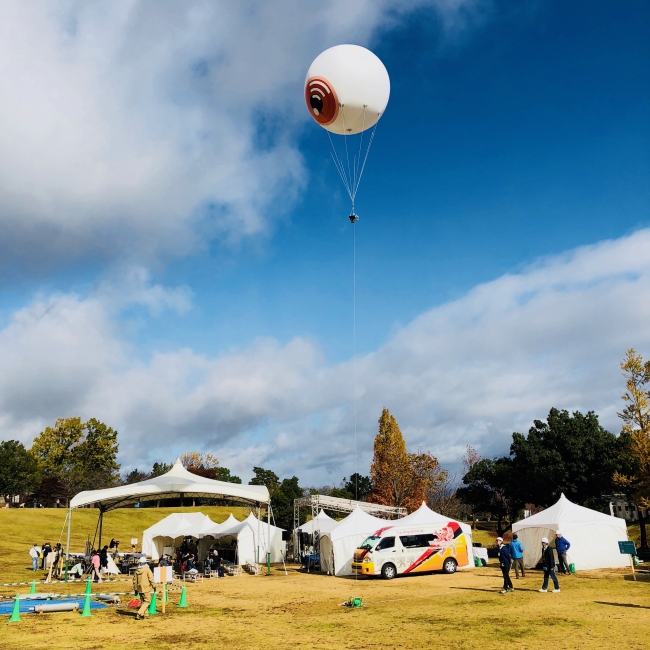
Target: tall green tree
{"points": [[282, 494], [569, 453], [19, 470], [358, 486], [490, 486], [81, 455]]}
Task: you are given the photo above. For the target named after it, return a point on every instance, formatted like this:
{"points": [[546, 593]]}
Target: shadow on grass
{"points": [[602, 602], [494, 591]]}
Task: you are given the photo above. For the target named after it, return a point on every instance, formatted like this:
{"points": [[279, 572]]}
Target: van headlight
{"points": [[367, 559]]}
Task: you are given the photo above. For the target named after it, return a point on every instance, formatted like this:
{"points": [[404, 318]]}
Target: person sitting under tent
{"points": [[165, 560], [214, 562], [190, 566]]}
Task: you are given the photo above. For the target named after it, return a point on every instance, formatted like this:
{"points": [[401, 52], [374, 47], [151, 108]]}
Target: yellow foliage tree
{"points": [[636, 427], [400, 479], [636, 419]]}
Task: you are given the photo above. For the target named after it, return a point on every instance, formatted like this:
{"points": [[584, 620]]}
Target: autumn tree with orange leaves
{"points": [[400, 479]]}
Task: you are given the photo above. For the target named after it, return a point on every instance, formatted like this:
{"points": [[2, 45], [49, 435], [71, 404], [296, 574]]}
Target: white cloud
{"points": [[139, 128], [470, 371]]}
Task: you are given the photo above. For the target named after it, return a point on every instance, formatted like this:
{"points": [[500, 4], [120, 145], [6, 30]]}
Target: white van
{"points": [[397, 550]]}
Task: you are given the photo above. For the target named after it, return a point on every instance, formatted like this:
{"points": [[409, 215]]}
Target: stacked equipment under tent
{"points": [[593, 536]]}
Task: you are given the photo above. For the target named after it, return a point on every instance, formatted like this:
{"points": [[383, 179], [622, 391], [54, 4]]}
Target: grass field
{"points": [[598, 609]]}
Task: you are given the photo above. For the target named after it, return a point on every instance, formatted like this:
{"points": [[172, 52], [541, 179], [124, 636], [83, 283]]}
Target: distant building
{"points": [[619, 507]]}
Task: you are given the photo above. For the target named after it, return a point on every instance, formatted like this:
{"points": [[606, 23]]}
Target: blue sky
{"points": [[177, 257]]}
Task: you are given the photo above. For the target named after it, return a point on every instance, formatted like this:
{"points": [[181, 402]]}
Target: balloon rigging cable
{"points": [[352, 177]]}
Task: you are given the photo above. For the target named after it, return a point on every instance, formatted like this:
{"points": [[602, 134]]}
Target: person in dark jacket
{"points": [[562, 546], [548, 563], [504, 563]]}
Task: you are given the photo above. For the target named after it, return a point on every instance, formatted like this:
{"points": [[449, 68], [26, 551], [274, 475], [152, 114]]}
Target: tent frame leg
{"points": [[67, 544]]}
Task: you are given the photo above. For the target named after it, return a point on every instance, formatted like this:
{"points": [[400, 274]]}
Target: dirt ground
{"points": [[603, 609]]}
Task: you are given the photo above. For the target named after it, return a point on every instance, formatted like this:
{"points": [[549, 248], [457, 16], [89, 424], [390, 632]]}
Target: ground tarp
{"points": [[593, 536]]}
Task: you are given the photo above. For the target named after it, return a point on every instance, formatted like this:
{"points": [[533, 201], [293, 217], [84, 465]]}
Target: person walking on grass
{"points": [[562, 546], [34, 553], [144, 586], [548, 564], [517, 555], [504, 563]]}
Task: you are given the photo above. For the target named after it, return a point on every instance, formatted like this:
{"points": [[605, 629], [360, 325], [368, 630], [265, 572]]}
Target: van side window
{"points": [[387, 542], [417, 541]]}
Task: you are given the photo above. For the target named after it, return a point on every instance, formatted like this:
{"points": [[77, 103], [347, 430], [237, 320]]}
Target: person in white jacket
{"points": [[34, 553]]}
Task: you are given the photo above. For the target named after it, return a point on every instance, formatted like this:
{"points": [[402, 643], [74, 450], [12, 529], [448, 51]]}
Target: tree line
{"points": [[568, 453]]}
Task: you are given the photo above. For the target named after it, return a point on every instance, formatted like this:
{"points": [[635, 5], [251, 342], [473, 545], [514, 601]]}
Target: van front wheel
{"points": [[388, 571], [449, 565]]}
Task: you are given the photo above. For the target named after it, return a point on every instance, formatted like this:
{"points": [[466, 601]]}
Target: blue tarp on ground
{"points": [[27, 606]]}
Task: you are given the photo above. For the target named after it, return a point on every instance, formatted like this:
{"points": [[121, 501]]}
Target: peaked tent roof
{"points": [[215, 528], [177, 482], [323, 523], [180, 523], [359, 522], [565, 515]]}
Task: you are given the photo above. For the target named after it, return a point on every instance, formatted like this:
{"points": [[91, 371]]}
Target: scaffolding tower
{"points": [[318, 502]]}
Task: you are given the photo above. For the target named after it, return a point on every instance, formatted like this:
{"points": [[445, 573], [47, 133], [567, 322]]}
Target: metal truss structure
{"points": [[318, 502]]}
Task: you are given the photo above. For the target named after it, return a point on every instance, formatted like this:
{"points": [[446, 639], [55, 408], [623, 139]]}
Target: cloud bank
{"points": [[141, 130], [469, 371]]}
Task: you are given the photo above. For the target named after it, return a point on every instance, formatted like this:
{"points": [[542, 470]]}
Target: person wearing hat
{"points": [[504, 563], [548, 563], [517, 555], [144, 586], [562, 546]]}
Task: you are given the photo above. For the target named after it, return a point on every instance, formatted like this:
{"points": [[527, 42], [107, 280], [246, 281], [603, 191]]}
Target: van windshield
{"points": [[369, 543]]}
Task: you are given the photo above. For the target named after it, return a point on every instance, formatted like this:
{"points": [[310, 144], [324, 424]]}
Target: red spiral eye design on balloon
{"points": [[322, 102]]}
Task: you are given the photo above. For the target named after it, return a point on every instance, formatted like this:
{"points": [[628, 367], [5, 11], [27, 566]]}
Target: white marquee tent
{"points": [[178, 482], [424, 515], [249, 535], [593, 536], [322, 523], [170, 531], [337, 547]]}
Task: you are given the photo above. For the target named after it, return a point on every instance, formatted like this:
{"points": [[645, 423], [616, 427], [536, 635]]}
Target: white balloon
{"points": [[347, 89]]}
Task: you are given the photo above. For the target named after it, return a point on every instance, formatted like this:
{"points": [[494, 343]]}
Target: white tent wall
{"points": [[246, 534], [326, 555], [593, 536], [171, 530], [592, 546]]}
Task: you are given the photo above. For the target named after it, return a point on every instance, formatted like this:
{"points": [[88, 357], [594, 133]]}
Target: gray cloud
{"points": [[470, 371]]}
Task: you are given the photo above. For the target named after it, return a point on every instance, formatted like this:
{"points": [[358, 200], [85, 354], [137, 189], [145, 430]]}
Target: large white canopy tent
{"points": [[251, 537], [593, 536], [424, 516], [171, 529], [178, 482], [337, 547]]}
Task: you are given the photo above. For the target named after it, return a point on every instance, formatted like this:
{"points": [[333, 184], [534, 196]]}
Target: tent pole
{"points": [[259, 515], [67, 544], [101, 523], [268, 544]]}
